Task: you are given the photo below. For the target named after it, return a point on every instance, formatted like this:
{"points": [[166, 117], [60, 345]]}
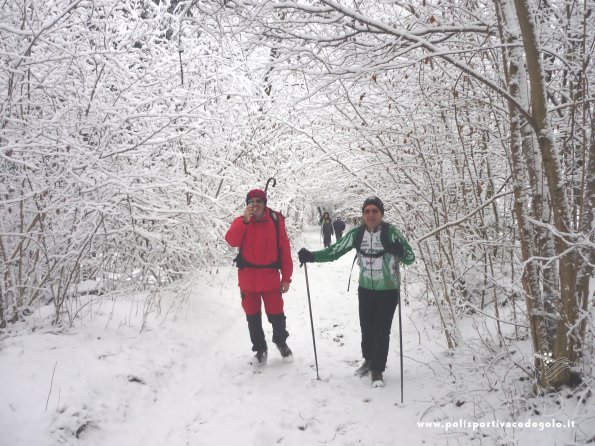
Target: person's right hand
{"points": [[397, 249], [248, 213], [305, 256]]}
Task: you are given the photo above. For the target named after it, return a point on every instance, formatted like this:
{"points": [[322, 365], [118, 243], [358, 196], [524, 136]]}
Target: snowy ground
{"points": [[185, 378]]}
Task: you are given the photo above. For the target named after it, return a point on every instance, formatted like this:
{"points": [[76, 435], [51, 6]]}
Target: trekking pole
{"points": [[400, 333], [401, 346], [312, 323]]}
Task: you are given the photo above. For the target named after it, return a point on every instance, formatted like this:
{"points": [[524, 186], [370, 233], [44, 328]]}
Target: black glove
{"points": [[305, 256], [397, 248]]}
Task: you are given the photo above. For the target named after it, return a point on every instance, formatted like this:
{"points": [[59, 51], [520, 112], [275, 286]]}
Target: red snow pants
{"points": [[273, 302]]}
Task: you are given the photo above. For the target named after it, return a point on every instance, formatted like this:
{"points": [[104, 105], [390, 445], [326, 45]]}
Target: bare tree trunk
{"points": [[565, 341], [588, 258], [530, 274]]}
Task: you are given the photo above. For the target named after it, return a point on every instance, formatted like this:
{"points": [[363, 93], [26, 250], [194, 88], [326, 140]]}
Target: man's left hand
{"points": [[284, 287]]}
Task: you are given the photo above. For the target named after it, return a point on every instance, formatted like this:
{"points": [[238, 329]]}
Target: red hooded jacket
{"points": [[258, 241]]}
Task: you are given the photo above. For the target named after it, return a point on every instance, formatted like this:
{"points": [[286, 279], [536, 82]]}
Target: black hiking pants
{"points": [[376, 311]]}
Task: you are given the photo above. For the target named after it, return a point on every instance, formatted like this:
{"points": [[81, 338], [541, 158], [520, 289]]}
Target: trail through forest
{"points": [[185, 378]]}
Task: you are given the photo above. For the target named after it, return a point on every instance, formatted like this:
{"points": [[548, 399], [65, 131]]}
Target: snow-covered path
{"points": [[185, 378], [210, 395]]}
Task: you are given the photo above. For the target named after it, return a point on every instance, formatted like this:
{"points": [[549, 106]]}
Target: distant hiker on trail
{"points": [[327, 230], [339, 227], [323, 217], [380, 248], [264, 251]]}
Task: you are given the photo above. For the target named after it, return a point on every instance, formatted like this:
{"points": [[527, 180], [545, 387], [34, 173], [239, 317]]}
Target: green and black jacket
{"points": [[376, 273]]}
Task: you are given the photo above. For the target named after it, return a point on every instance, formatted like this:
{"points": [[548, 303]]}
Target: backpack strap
{"points": [[351, 271], [384, 235], [359, 236], [275, 217]]}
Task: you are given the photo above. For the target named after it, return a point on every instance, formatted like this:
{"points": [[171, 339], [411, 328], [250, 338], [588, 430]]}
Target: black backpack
{"points": [[243, 263]]}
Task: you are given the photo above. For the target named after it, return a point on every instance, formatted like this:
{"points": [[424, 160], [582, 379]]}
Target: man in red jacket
{"points": [[264, 250]]}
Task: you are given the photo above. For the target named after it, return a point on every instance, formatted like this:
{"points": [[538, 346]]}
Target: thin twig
{"points": [[51, 385]]}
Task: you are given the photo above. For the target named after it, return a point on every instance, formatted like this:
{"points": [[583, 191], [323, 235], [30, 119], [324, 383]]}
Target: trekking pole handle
{"points": [[267, 185]]}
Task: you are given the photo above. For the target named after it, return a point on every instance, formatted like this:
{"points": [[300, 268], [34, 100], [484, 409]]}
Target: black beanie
{"points": [[376, 202]]}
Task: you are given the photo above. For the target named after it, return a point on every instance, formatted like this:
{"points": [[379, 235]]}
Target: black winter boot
{"points": [[260, 358], [285, 351], [363, 369], [377, 379]]}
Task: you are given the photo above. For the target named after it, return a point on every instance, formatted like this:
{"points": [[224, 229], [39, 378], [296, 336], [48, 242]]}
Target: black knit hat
{"points": [[376, 202]]}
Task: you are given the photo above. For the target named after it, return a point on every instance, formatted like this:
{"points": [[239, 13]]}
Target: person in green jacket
{"points": [[380, 248]]}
